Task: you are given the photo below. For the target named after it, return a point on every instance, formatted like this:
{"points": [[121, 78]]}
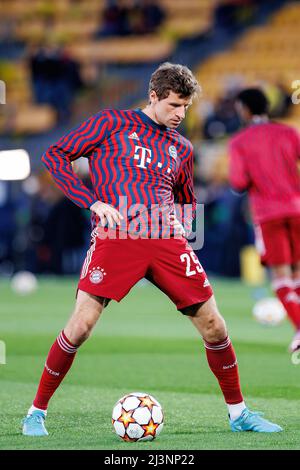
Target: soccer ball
{"points": [[269, 311], [23, 283], [137, 417]]}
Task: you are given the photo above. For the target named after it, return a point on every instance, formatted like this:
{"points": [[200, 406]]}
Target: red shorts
{"points": [[278, 241], [113, 266]]}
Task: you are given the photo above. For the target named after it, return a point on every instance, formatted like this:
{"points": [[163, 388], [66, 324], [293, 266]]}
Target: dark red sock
{"points": [[58, 362], [223, 363], [284, 289]]}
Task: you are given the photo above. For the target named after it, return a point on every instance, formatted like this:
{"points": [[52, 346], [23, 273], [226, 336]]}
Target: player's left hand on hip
{"points": [[178, 227]]}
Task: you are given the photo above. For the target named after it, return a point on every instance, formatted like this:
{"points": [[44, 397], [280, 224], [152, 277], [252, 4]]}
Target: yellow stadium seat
{"points": [[34, 119], [123, 50]]}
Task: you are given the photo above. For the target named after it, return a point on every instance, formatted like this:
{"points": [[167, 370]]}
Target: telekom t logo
{"points": [[144, 154]]}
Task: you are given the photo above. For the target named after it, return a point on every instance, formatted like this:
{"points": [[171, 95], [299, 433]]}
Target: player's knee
{"points": [[80, 331], [215, 329]]}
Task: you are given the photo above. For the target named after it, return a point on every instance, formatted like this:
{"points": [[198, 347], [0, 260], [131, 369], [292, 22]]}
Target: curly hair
{"points": [[174, 77]]}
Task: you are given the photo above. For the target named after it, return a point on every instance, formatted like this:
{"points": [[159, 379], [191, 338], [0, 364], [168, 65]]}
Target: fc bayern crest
{"points": [[173, 151], [97, 275]]}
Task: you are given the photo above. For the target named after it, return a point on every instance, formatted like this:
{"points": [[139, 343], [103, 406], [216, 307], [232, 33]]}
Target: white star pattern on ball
{"points": [[137, 417]]}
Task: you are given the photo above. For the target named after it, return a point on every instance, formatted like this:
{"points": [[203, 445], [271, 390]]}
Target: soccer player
{"points": [[264, 160], [139, 155]]}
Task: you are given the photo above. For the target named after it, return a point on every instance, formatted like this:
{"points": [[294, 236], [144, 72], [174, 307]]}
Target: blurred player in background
{"points": [[264, 159], [138, 154]]}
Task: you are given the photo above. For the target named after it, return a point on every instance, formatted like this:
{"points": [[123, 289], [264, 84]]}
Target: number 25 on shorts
{"points": [[191, 261]]}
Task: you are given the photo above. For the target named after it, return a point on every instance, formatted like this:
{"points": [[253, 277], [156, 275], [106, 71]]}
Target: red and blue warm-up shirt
{"points": [[130, 156]]}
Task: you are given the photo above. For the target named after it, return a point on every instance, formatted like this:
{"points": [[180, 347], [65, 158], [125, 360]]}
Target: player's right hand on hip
{"points": [[107, 214]]}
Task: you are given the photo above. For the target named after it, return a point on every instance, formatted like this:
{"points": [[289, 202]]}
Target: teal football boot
{"points": [[252, 421], [34, 424]]}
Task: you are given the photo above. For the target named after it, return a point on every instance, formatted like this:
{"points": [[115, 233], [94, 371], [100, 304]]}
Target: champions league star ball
{"points": [[137, 417], [23, 283], [269, 311]]}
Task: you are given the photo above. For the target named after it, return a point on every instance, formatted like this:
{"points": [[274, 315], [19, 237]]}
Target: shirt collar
{"points": [[147, 120]]}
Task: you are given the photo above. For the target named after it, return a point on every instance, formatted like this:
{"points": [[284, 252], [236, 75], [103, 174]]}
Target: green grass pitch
{"points": [[143, 344]]}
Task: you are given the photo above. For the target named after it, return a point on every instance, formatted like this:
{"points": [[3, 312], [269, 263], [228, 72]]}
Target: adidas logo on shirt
{"points": [[134, 136]]}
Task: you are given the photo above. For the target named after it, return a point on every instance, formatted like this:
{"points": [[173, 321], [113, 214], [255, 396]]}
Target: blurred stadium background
{"points": [[63, 60]]}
